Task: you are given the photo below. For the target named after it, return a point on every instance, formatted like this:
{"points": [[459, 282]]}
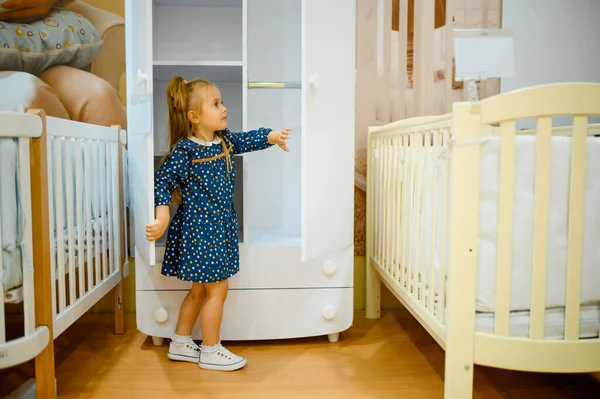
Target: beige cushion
{"points": [[22, 91]]}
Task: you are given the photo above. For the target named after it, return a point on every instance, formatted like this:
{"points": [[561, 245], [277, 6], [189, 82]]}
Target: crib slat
{"points": [[385, 199], [397, 206], [110, 206], [60, 220], [115, 219], [89, 200], [575, 233], [123, 174], [52, 223], [80, 216], [424, 195], [445, 162], [434, 204], [390, 205], [70, 219], [399, 168], [390, 193], [540, 227], [103, 207], [416, 210], [96, 222], [405, 209], [381, 198], [505, 227]]}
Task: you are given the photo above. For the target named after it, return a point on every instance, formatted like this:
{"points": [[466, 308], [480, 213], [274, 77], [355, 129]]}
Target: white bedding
{"points": [[523, 227], [554, 323], [12, 217]]}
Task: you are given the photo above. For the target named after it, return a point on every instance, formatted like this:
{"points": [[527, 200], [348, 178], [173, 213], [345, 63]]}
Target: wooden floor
{"points": [[389, 358]]}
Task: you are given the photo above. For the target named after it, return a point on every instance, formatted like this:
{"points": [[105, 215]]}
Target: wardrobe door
{"points": [[327, 164], [138, 33]]}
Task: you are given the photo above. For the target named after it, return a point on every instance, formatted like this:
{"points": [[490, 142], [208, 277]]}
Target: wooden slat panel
{"points": [[434, 220], [541, 210], [416, 210], [70, 219], [60, 220], [445, 162], [80, 217], [575, 232], [505, 227], [89, 200]]}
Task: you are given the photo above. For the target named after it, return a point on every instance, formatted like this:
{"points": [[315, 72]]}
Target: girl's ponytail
{"points": [[178, 93]]}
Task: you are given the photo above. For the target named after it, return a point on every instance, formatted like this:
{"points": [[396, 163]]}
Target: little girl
{"points": [[202, 244]]}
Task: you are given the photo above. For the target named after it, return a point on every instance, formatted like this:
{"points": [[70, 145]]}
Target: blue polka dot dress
{"points": [[202, 242]]}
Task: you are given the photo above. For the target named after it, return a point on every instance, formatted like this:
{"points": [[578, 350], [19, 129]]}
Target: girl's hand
{"points": [[156, 229], [280, 138]]}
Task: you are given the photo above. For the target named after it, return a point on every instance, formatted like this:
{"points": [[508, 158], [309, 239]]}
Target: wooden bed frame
{"points": [[55, 296]]}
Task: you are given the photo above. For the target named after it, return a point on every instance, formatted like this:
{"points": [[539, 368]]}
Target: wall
{"points": [[554, 40], [114, 6]]}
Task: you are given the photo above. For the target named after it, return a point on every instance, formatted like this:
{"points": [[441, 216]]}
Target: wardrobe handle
{"points": [[142, 78], [314, 82]]}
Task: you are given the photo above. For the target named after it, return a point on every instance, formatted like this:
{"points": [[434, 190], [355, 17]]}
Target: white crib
{"points": [[486, 236], [63, 231]]}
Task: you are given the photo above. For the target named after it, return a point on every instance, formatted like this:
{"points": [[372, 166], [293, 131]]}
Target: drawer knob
{"points": [[161, 315], [328, 312], [329, 267]]}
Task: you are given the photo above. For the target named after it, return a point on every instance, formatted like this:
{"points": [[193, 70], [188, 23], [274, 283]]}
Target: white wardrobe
{"points": [[278, 63]]}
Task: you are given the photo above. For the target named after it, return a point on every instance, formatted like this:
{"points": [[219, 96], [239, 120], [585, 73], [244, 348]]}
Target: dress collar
{"points": [[198, 141]]}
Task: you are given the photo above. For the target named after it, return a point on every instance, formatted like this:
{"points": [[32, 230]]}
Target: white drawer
{"points": [[255, 314], [268, 267]]}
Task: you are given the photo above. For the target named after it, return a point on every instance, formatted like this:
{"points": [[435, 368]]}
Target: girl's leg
{"points": [[182, 347], [213, 312], [190, 308], [213, 355]]}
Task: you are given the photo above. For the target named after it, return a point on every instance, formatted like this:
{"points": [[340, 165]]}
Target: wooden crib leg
{"points": [[119, 308], [373, 292], [42, 278]]}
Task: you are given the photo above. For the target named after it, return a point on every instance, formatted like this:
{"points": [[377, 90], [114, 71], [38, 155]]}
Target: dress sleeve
{"points": [[169, 176], [254, 140]]}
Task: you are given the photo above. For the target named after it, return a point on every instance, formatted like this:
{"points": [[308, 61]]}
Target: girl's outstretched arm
{"points": [[256, 140]]}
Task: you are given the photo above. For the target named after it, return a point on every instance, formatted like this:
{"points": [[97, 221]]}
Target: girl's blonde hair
{"points": [[184, 96]]}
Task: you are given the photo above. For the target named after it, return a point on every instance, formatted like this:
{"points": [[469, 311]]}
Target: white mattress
{"points": [[523, 226], [12, 219]]}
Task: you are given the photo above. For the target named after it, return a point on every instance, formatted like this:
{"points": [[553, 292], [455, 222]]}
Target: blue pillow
{"points": [[63, 37]]}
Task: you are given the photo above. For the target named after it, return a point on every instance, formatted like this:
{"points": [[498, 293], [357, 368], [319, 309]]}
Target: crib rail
{"points": [[86, 214], [408, 191]]}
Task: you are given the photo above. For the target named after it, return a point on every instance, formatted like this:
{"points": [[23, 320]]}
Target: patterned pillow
{"points": [[63, 37]]}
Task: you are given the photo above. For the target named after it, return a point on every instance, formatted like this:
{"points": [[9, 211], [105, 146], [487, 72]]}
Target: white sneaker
{"points": [[184, 351], [219, 358]]}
